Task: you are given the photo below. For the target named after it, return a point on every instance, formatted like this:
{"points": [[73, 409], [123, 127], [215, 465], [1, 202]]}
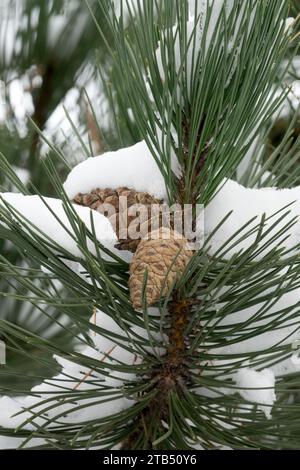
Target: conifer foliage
{"points": [[176, 347]]}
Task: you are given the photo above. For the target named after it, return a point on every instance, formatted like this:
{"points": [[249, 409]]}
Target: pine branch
{"points": [[167, 378], [172, 377]]}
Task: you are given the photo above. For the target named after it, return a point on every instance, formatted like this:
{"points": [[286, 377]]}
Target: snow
{"points": [[9, 407], [63, 35], [56, 27], [20, 100], [72, 376], [9, 442], [59, 130], [58, 121], [254, 152], [292, 101], [289, 24], [266, 340], [8, 32], [75, 376], [127, 8], [168, 149], [3, 110], [204, 16], [34, 209], [133, 167], [34, 17], [257, 387], [247, 203], [231, 196], [65, 31], [22, 174], [199, 6]]}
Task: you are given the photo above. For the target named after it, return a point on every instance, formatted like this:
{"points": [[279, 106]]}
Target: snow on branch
{"points": [[135, 168], [257, 387], [73, 377], [48, 218]]}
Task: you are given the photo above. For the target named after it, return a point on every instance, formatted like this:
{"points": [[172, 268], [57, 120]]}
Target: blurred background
{"points": [[56, 78], [60, 93]]}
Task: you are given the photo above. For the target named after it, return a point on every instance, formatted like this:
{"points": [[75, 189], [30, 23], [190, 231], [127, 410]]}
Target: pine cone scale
{"points": [[100, 199], [164, 264]]}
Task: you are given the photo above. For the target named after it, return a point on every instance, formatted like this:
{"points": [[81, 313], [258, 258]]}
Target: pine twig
{"points": [[172, 376]]}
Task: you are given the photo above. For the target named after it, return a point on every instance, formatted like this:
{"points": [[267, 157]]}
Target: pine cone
{"points": [[98, 200], [164, 256]]}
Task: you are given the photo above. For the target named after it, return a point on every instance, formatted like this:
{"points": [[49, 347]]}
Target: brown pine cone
{"points": [[164, 257], [111, 196], [99, 199]]}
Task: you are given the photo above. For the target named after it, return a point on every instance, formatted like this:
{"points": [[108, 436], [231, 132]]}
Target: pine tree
{"points": [[210, 361]]}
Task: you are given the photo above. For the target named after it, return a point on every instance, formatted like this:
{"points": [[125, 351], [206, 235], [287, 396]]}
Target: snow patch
{"points": [[57, 227], [22, 174], [248, 203], [133, 167], [74, 376], [258, 388]]}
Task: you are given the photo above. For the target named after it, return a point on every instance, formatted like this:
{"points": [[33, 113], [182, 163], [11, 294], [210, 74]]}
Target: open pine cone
{"points": [[99, 199], [161, 252]]}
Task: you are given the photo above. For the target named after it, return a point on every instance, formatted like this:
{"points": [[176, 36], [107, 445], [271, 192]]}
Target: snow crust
{"points": [[49, 217], [22, 174], [74, 376], [248, 203], [257, 387], [133, 167]]}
